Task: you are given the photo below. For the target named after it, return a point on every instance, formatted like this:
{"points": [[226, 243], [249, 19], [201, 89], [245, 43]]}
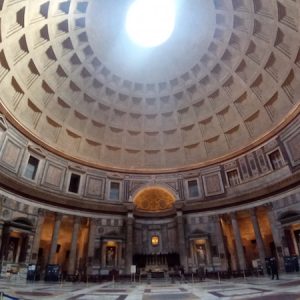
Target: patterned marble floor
{"points": [[262, 288]]}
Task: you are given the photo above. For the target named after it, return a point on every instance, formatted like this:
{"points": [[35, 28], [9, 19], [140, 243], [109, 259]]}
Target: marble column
{"points": [[5, 243], [165, 240], [73, 250], [1, 225], [58, 219], [278, 236], [238, 241], [221, 243], [192, 254], [103, 254], [28, 250], [294, 240], [37, 237], [119, 254], [91, 242], [208, 251], [129, 243], [181, 241], [1, 239], [259, 240]]}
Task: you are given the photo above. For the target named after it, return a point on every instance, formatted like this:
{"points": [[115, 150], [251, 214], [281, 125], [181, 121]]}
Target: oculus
{"points": [[149, 23]]}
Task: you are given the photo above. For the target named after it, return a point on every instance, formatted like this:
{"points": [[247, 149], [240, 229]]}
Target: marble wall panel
{"points": [[3, 128], [244, 168], [292, 145], [262, 161], [53, 175], [94, 187], [11, 154], [253, 164], [213, 184]]}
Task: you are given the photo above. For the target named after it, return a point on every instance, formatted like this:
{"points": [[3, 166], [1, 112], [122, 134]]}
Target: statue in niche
{"points": [[110, 256], [201, 253], [13, 242]]}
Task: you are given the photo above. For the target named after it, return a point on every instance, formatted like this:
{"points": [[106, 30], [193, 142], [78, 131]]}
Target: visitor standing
{"points": [[274, 268]]}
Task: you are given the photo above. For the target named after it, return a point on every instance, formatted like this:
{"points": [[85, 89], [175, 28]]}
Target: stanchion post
{"points": [[61, 281]]}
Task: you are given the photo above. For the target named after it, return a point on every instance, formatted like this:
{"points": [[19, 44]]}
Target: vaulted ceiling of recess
{"points": [[154, 199], [70, 78]]}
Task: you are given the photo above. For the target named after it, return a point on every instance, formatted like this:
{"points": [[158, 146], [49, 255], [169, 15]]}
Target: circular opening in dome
{"points": [[150, 23]]}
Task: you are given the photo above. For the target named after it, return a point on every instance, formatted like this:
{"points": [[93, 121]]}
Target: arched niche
{"points": [[154, 199]]}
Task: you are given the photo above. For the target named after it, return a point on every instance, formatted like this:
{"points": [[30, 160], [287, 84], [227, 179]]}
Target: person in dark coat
{"points": [[274, 268], [201, 273], [181, 273]]}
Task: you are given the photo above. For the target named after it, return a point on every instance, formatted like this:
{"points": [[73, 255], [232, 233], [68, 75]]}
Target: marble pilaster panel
{"points": [[129, 243], [181, 240]]}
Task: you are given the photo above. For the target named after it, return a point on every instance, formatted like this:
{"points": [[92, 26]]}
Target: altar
{"points": [[156, 263]]}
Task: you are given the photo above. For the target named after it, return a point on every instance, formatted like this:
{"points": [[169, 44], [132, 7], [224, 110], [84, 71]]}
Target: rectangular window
{"points": [[193, 188], [74, 183], [114, 192], [233, 177], [31, 168], [276, 160]]}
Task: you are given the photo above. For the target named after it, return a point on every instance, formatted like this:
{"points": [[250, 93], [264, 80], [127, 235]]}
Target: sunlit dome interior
{"points": [[225, 79]]}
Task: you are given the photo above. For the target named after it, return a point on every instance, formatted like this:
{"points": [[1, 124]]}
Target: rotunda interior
{"points": [[118, 158]]}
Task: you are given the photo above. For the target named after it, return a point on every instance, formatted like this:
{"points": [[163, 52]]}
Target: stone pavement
{"points": [[262, 288]]}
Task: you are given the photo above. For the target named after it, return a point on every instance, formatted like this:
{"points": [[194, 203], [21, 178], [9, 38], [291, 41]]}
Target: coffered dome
{"points": [[71, 79]]}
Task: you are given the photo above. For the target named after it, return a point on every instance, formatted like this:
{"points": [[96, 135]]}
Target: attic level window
{"points": [[114, 192], [233, 177], [74, 183], [149, 23], [193, 188], [31, 168], [276, 160]]}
